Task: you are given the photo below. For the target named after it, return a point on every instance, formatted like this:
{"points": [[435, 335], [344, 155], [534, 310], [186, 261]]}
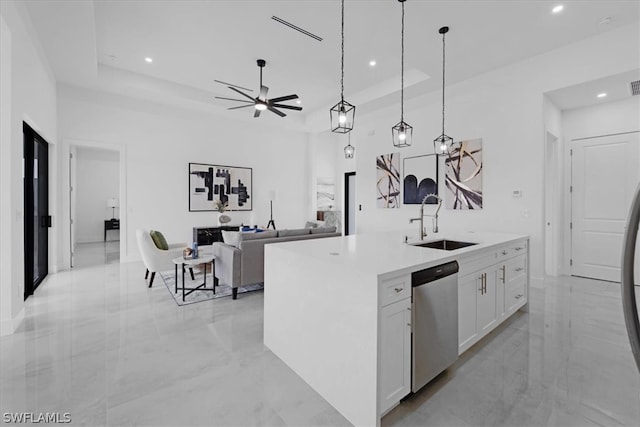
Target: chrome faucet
{"points": [[423, 233]]}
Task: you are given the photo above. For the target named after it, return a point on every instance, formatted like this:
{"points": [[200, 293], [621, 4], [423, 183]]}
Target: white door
{"points": [[604, 174]]}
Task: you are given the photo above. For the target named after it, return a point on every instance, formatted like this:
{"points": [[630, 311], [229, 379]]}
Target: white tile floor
{"points": [[97, 343]]}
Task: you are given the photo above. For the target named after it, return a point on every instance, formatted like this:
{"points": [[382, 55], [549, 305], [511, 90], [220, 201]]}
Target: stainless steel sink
{"points": [[447, 245]]}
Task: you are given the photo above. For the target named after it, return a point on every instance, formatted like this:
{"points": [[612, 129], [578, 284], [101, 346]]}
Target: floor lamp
{"points": [[273, 195]]}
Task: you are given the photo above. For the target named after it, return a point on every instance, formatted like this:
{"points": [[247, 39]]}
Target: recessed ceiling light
{"points": [[557, 9], [602, 95], [372, 63], [149, 60]]}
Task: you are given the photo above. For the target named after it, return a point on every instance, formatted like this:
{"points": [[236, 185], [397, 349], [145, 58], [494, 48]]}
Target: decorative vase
{"points": [[223, 219]]}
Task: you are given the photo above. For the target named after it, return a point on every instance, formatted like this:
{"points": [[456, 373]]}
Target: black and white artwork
{"points": [[209, 184], [420, 179]]}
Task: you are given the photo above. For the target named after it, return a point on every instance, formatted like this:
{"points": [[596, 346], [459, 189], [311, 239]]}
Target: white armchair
{"points": [[156, 259]]}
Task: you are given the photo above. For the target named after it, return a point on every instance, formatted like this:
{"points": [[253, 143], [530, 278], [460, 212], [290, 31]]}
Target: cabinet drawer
{"points": [[476, 263], [511, 250], [517, 267], [396, 289], [516, 294]]}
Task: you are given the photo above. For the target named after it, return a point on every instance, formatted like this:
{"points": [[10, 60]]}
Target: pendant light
{"points": [[349, 150], [442, 144], [342, 114], [402, 132]]}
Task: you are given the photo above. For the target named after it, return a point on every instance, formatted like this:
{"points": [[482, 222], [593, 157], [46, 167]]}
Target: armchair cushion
{"points": [[159, 240]]}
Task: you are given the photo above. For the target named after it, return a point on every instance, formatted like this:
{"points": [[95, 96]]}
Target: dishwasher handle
{"points": [[434, 273]]}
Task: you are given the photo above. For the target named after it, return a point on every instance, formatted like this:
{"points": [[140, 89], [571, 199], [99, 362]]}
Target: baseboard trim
{"points": [[9, 326]]}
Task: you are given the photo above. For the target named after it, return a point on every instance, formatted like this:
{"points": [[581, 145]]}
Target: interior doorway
{"points": [[553, 205], [37, 220], [349, 203], [94, 209], [605, 172]]}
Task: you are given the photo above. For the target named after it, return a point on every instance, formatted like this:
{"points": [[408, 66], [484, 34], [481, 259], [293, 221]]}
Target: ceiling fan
{"points": [[261, 103]]}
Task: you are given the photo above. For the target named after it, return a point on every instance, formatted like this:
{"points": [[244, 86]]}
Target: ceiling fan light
{"points": [[261, 106]]}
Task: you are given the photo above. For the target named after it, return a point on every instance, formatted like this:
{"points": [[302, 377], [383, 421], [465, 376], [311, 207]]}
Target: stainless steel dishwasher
{"points": [[435, 322]]}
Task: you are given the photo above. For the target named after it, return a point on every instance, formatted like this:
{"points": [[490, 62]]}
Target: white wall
{"points": [[98, 179], [32, 98], [158, 143], [602, 119], [504, 108]]}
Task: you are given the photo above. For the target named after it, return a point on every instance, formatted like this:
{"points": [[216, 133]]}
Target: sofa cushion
{"points": [[159, 240], [296, 232], [320, 230], [254, 236], [310, 224]]}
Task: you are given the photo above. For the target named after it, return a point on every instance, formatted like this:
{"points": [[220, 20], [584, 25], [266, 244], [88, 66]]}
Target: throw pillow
{"points": [[231, 238], [159, 240], [310, 224]]}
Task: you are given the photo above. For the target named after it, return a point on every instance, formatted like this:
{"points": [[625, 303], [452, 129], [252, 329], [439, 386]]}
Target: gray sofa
{"points": [[242, 263]]}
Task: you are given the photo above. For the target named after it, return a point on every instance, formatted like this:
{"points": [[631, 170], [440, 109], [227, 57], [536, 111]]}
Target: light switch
{"points": [[517, 193]]}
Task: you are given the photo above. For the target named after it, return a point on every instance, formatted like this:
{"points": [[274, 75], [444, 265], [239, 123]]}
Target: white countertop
{"points": [[387, 254]]}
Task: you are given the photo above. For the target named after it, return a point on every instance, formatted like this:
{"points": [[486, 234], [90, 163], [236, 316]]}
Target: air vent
{"points": [[635, 87], [302, 30]]}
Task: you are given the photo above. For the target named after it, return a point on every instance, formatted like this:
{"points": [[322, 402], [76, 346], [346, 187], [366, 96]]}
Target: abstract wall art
{"points": [[388, 180], [210, 183], [325, 194], [463, 175], [420, 179]]}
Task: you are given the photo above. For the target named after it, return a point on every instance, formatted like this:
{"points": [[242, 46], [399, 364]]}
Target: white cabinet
{"points": [[493, 287], [468, 289], [487, 301], [477, 306], [394, 345]]}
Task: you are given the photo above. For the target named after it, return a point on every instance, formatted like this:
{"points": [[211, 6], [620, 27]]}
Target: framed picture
{"points": [[210, 183], [388, 180], [420, 179], [463, 175]]}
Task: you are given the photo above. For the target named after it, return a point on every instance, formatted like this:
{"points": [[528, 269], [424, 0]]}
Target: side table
{"points": [[202, 259]]}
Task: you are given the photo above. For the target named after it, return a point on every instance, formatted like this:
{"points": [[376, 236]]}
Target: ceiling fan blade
{"points": [[283, 98], [257, 113], [231, 84], [232, 99], [263, 92], [288, 107], [241, 106], [273, 110], [241, 93]]}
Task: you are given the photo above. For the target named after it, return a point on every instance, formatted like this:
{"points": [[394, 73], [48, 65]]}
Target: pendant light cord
{"points": [[342, 58], [443, 58], [402, 68]]}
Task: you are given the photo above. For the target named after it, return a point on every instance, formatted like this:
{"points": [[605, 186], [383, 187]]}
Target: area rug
{"points": [[222, 290]]}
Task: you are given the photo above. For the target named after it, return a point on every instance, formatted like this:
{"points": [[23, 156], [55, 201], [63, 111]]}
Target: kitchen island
{"points": [[338, 310]]}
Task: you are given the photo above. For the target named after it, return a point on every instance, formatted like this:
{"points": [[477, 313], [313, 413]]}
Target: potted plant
{"points": [[221, 207]]}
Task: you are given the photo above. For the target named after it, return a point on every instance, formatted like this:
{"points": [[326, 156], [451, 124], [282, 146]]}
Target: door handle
{"points": [[481, 284], [504, 274], [485, 283], [45, 221]]}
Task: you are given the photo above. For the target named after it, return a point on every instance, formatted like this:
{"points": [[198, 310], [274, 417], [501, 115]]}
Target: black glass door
{"points": [[36, 209]]}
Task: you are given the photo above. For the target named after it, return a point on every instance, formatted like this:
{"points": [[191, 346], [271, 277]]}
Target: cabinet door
{"points": [[468, 292], [487, 301], [501, 287], [395, 353]]}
